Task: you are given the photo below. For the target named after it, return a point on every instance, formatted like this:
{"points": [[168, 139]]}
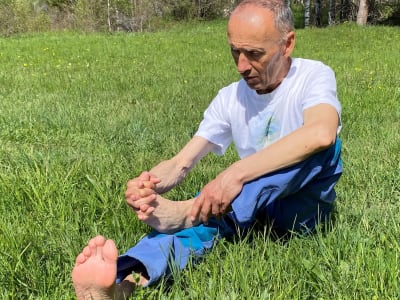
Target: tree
{"points": [[332, 12], [317, 19], [362, 14], [307, 9]]}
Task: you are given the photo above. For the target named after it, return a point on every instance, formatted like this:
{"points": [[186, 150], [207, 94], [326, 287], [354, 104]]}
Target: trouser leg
{"points": [[160, 253], [292, 198]]}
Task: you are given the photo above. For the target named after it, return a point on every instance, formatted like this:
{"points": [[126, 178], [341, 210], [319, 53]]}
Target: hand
{"points": [[140, 193], [216, 196]]}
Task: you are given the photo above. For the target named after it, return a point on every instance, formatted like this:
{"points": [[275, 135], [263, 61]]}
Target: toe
{"points": [[87, 252], [99, 240], [95, 245], [80, 259], [110, 252]]}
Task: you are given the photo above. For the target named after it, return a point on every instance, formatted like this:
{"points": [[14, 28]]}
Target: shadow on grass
{"points": [[249, 236], [282, 237]]}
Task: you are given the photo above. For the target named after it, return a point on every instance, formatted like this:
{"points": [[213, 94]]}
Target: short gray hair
{"points": [[282, 13]]}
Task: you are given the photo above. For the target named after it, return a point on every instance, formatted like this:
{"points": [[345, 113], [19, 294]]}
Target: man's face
{"points": [[258, 49]]}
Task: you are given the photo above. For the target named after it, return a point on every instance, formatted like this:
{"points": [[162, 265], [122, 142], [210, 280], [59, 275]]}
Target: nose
{"points": [[243, 65]]}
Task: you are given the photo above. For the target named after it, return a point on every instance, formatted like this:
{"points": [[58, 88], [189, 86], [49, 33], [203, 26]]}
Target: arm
{"points": [[171, 172], [317, 133], [166, 174]]}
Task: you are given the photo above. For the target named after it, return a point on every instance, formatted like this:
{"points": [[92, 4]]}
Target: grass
{"points": [[81, 114]]}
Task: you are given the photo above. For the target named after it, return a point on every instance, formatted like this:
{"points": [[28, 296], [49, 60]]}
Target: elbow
{"points": [[324, 138]]}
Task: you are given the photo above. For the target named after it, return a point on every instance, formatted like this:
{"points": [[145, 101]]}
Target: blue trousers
{"points": [[292, 199]]}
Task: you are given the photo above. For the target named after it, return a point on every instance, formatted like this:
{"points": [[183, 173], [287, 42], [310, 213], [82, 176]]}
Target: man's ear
{"points": [[289, 43]]}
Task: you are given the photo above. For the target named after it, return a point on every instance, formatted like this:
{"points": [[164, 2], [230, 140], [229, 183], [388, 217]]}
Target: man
{"points": [[283, 118]]}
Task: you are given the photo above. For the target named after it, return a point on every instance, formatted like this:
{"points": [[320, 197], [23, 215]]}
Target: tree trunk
{"points": [[362, 14], [317, 20], [307, 8], [108, 16], [332, 12], [133, 9]]}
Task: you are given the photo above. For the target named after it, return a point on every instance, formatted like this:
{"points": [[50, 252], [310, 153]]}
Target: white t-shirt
{"points": [[255, 121]]}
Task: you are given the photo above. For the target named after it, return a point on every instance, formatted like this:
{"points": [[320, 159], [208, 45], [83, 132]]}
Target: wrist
{"points": [[239, 171]]}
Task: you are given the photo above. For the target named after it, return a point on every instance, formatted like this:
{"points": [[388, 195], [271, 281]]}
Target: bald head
{"points": [[280, 13], [253, 24]]}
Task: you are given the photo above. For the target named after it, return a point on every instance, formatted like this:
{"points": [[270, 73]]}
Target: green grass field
{"points": [[81, 114]]}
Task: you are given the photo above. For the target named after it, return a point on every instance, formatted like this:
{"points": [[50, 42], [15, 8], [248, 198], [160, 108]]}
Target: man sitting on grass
{"points": [[283, 117]]}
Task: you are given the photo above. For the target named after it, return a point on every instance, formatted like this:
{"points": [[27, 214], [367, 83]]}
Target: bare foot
{"points": [[95, 270], [169, 216]]}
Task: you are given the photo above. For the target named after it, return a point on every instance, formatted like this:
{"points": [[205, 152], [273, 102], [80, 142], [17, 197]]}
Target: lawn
{"points": [[80, 114]]}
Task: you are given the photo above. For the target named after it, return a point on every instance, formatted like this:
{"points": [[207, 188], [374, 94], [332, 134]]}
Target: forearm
{"points": [[171, 172], [286, 152]]}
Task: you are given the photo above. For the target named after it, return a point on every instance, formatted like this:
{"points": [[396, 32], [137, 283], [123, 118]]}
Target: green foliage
{"points": [[17, 16], [80, 114], [200, 9], [298, 15], [387, 12], [89, 15], [20, 16]]}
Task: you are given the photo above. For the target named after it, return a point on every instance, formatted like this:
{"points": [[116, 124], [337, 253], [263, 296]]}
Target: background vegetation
{"points": [[21, 16], [80, 114]]}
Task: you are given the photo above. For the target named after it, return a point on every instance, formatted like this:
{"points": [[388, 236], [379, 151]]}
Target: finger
{"points": [[134, 194], [154, 179], [135, 204], [130, 196], [146, 209], [140, 183], [143, 181], [134, 183], [148, 200], [141, 216], [205, 211], [145, 176], [223, 205], [149, 185], [216, 206], [196, 207], [144, 192]]}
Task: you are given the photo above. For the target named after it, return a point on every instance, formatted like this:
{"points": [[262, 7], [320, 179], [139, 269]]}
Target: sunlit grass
{"points": [[81, 114]]}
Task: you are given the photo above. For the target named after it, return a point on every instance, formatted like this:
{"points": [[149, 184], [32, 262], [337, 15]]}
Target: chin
{"points": [[254, 86]]}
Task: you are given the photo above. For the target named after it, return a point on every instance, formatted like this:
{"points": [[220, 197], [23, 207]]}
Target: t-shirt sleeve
{"points": [[321, 89], [215, 126]]}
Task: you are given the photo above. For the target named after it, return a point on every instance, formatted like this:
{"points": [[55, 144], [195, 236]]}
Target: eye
{"points": [[254, 55], [249, 54], [235, 52]]}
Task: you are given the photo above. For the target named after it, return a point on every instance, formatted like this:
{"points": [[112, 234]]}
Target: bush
{"points": [[19, 16]]}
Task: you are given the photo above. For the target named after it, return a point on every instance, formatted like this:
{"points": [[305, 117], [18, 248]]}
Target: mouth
{"points": [[251, 80], [247, 78]]}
